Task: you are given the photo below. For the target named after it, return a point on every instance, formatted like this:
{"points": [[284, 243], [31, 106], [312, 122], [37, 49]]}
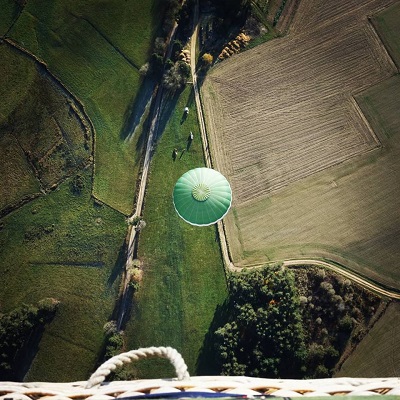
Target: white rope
{"points": [[117, 361]]}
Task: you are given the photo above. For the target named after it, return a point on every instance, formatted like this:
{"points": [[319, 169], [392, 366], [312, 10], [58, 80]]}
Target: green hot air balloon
{"points": [[202, 196]]}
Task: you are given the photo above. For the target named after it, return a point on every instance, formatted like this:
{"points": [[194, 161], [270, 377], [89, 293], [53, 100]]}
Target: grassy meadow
{"points": [[96, 50], [17, 179], [9, 12], [13, 70], [378, 354], [42, 136], [387, 23], [63, 246], [183, 276]]}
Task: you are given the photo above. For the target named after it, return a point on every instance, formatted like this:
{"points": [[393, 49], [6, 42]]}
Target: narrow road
{"points": [[203, 132], [221, 230], [347, 274]]}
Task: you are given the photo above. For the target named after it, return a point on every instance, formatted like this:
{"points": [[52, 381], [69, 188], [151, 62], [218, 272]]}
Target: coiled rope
{"points": [[149, 352]]}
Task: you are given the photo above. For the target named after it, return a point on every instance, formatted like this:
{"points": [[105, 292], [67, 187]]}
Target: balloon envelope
{"points": [[202, 196]]}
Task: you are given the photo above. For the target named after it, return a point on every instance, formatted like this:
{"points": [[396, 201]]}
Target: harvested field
{"points": [[286, 129]]}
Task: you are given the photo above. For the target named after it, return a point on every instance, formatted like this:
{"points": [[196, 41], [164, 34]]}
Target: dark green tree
{"points": [[263, 336], [18, 330]]}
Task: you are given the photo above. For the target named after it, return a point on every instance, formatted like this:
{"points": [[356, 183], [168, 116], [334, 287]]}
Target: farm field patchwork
{"points": [[183, 276], [96, 53], [311, 176]]}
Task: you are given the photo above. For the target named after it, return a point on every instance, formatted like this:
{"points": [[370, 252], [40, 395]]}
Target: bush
{"points": [[114, 344], [321, 372], [110, 328], [176, 77], [78, 184], [346, 324], [207, 59]]}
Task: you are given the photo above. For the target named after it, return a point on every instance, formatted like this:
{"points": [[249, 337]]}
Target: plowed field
{"points": [[282, 115]]}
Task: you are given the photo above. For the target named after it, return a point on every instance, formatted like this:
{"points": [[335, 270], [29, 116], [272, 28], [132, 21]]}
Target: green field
{"points": [[67, 245], [16, 176], [63, 246], [183, 279], [13, 70], [379, 352], [42, 135], [9, 12], [387, 23], [96, 50]]}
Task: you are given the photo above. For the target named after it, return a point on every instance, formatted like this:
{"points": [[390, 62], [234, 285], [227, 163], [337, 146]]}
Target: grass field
{"points": [[96, 52], [63, 246], [42, 136], [16, 176], [13, 69], [378, 354], [387, 23], [310, 177], [183, 279], [9, 12]]}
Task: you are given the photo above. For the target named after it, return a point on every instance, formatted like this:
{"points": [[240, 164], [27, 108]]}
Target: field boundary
{"points": [[367, 124], [372, 285], [377, 316], [375, 30]]}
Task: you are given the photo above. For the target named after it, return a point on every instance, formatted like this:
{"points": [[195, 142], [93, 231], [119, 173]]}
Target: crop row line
{"points": [[229, 265]]}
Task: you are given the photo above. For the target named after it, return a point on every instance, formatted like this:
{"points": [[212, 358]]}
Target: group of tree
{"points": [[290, 323], [114, 340], [20, 329], [336, 314], [262, 334]]}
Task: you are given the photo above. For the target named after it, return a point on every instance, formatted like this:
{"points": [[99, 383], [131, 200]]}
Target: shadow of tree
{"points": [[27, 353], [118, 266], [167, 106], [135, 111], [207, 363]]}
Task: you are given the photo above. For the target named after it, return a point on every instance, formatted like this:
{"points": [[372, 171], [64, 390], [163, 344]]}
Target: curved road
{"points": [[380, 289]]}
